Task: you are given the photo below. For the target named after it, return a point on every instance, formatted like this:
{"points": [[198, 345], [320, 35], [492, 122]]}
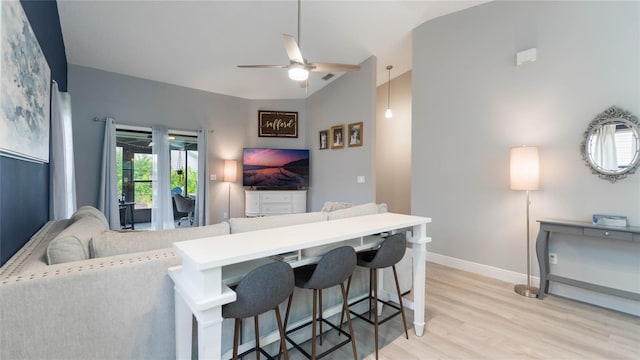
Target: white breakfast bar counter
{"points": [[199, 283]]}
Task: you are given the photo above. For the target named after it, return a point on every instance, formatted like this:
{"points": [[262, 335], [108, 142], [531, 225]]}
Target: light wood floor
{"points": [[473, 317]]}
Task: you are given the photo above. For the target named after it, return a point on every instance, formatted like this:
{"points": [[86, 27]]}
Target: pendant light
{"points": [[388, 114]]}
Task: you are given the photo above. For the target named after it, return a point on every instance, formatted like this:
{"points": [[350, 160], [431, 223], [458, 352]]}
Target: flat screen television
{"points": [[275, 168]]}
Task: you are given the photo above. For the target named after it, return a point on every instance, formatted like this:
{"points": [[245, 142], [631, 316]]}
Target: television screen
{"points": [[275, 168]]}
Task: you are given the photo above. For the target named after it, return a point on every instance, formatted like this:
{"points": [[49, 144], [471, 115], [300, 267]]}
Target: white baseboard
{"points": [[481, 269], [607, 301]]}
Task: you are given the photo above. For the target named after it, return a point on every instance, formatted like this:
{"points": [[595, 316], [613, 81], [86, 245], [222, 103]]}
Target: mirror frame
{"points": [[610, 115]]}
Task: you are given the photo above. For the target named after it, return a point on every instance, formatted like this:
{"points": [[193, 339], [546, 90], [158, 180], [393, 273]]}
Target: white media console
{"points": [[274, 202]]}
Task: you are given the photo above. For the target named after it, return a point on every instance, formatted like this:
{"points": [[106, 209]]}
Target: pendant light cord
{"points": [[299, 42], [389, 88], [389, 67]]}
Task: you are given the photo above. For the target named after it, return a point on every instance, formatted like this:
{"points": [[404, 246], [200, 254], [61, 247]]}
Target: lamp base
{"points": [[531, 292]]}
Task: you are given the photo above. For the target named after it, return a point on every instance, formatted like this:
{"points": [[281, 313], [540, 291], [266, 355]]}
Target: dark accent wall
{"points": [[24, 185], [45, 22]]}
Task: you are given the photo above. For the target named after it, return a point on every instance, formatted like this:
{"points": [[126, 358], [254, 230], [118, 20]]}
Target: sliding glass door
{"points": [[134, 161]]}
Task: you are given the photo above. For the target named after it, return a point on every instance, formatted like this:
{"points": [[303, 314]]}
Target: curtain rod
{"points": [[139, 127]]}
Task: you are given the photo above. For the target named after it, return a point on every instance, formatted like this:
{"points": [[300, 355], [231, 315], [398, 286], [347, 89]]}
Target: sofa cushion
{"points": [[358, 210], [72, 243], [90, 211], [239, 225], [124, 242]]}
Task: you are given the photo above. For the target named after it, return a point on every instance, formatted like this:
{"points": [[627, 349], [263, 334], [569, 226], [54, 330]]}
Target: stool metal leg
{"points": [[313, 325], [320, 314], [342, 312], [345, 307], [404, 320], [236, 337], [283, 344], [371, 282], [375, 310], [256, 327], [286, 316]]}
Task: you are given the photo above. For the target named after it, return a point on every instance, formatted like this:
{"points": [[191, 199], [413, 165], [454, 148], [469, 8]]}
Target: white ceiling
{"points": [[197, 44]]}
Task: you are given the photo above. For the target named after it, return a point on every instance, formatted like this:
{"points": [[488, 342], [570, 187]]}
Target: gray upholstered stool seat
{"points": [[390, 252], [261, 290], [333, 269]]}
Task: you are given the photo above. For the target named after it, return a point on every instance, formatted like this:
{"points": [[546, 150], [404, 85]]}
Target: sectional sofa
{"points": [[78, 290]]}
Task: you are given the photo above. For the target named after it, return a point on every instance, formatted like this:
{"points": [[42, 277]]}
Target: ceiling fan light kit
{"points": [[298, 73]]}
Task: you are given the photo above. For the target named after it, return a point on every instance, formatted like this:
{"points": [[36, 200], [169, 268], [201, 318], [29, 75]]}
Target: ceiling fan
{"points": [[298, 66]]}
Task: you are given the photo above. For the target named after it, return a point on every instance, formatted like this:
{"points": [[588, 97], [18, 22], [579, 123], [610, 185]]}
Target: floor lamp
{"points": [[229, 176], [525, 169]]}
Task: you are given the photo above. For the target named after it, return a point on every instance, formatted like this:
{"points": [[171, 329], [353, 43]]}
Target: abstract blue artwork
{"points": [[25, 81]]}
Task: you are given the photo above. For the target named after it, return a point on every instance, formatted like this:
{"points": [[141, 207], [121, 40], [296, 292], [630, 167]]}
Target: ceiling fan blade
{"points": [[264, 66], [329, 67], [293, 51]]}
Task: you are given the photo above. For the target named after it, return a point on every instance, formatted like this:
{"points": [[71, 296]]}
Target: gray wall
{"points": [[471, 104], [140, 102], [349, 99], [393, 145]]}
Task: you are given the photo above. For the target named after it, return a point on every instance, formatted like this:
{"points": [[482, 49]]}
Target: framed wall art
{"points": [[278, 124], [25, 85], [355, 134], [324, 139], [337, 137]]}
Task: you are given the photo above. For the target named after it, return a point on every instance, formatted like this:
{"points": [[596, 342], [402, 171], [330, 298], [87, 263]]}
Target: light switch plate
{"points": [[360, 179]]}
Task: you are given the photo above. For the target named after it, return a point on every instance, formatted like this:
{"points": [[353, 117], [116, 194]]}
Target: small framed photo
{"points": [[324, 139], [337, 137], [355, 134]]}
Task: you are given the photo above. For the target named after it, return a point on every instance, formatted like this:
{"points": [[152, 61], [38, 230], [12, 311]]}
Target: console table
{"points": [[579, 228], [199, 284]]}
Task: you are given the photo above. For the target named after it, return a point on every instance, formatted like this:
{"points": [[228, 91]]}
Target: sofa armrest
{"points": [[118, 307]]}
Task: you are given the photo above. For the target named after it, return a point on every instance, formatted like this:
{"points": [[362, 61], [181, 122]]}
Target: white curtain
{"points": [[62, 195], [162, 208], [202, 192], [605, 147], [108, 197]]}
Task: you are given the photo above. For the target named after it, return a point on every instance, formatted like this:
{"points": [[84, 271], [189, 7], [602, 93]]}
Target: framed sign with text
{"points": [[278, 124]]}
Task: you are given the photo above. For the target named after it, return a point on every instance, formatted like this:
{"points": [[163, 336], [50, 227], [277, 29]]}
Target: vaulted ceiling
{"points": [[197, 44]]}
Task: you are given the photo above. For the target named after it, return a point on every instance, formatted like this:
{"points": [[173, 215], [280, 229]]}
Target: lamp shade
{"points": [[230, 171], [525, 168]]}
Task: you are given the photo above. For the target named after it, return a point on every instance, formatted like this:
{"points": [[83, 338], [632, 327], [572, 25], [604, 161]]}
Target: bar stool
{"points": [[390, 252], [261, 290], [333, 269]]}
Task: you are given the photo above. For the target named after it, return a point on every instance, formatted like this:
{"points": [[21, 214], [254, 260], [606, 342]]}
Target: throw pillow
{"points": [[65, 249], [72, 243], [85, 211], [359, 210], [335, 205]]}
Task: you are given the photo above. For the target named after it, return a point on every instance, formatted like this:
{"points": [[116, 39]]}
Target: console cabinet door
{"points": [[252, 203]]}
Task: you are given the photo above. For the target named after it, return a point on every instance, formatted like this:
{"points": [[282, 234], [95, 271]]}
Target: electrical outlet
{"points": [[225, 215], [553, 258]]}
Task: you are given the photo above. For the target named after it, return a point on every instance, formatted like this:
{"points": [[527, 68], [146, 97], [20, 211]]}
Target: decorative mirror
{"points": [[611, 146]]}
